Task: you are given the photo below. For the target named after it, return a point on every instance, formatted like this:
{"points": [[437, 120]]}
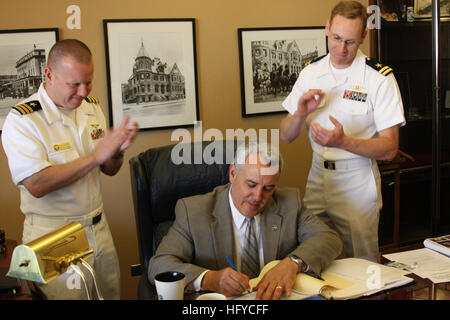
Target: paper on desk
{"points": [[425, 263], [359, 271]]}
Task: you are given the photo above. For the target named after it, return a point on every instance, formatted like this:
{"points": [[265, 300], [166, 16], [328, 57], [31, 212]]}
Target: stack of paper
{"points": [[426, 263], [367, 277]]}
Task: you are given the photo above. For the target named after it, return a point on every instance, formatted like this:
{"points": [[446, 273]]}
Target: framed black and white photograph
{"points": [[271, 60], [423, 9], [152, 72], [23, 59]]}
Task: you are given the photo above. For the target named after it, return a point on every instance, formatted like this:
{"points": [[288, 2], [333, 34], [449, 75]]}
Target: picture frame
{"points": [[24, 55], [422, 9], [271, 60], [152, 72]]}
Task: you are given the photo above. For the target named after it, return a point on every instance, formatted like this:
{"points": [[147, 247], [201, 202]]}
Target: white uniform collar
{"points": [[52, 112], [356, 72]]}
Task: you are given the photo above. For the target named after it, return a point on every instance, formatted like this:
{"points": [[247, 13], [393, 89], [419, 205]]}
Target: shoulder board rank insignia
{"points": [[28, 107], [314, 60], [91, 99], [384, 70]]}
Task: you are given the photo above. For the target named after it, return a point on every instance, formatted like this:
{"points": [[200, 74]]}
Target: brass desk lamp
{"points": [[49, 256]]}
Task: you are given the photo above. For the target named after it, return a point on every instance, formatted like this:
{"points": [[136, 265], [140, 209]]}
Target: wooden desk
{"points": [[24, 292]]}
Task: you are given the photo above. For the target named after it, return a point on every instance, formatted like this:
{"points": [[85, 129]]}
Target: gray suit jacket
{"points": [[202, 235]]}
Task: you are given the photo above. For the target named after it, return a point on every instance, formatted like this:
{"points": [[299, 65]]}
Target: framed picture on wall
{"points": [[23, 55], [152, 72], [423, 9], [271, 60]]}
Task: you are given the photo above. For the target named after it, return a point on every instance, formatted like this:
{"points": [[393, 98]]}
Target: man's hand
{"points": [[328, 138], [309, 102], [133, 129], [115, 140], [225, 281], [277, 280], [292, 125], [56, 177], [383, 147]]}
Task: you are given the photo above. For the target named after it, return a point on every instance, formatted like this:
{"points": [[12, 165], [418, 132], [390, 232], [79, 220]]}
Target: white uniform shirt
{"points": [[379, 107], [49, 137]]}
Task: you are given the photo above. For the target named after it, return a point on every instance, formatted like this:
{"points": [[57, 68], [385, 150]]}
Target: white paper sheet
{"points": [[425, 263]]}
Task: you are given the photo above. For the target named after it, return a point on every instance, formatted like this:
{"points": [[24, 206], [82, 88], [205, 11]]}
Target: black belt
{"points": [[97, 218]]}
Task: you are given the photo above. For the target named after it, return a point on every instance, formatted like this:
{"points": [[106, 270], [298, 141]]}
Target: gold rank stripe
{"points": [[24, 108], [91, 99], [28, 107], [385, 70]]}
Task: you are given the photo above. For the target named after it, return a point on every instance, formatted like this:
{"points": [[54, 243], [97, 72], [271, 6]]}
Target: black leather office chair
{"points": [[157, 184]]}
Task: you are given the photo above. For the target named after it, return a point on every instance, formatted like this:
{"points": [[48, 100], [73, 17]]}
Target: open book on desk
{"points": [[348, 278]]}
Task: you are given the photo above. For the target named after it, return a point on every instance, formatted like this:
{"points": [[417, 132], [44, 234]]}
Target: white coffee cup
{"points": [[211, 296], [170, 285]]}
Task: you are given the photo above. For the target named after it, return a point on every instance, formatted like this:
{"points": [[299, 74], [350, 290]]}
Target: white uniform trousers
{"points": [[348, 199], [105, 262]]}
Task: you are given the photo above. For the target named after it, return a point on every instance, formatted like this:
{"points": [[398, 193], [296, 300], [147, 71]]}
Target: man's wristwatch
{"points": [[298, 261], [118, 155]]}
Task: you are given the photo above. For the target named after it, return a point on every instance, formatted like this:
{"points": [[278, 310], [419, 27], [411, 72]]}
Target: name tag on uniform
{"points": [[355, 95], [61, 146]]}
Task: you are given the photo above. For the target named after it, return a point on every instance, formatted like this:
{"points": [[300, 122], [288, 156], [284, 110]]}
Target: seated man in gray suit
{"points": [[211, 227]]}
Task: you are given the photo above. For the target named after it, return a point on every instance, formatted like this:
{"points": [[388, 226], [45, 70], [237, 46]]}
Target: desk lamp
{"points": [[49, 256]]}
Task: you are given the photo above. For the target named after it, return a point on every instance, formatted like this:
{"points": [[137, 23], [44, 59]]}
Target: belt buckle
{"points": [[331, 165]]}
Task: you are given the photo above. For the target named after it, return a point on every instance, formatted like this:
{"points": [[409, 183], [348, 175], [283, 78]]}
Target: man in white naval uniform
{"points": [[352, 108], [57, 143]]}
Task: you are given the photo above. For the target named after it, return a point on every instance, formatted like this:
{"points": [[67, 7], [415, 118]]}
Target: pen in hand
{"points": [[231, 263], [233, 266]]}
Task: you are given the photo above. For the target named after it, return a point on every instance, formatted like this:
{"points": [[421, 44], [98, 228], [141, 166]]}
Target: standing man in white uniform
{"points": [[352, 108], [57, 143]]}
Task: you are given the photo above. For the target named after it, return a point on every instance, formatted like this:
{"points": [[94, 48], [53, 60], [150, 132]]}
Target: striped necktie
{"points": [[250, 251]]}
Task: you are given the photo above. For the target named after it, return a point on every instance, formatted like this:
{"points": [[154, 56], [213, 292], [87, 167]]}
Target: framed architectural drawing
{"points": [[23, 59], [270, 62], [152, 72], [423, 9]]}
